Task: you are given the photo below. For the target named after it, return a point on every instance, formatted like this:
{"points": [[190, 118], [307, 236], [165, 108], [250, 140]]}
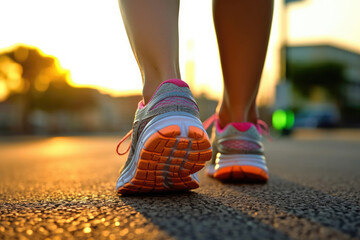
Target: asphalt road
{"points": [[63, 188]]}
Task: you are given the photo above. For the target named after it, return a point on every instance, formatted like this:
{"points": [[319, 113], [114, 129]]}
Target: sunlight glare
{"points": [[89, 39], [3, 90]]}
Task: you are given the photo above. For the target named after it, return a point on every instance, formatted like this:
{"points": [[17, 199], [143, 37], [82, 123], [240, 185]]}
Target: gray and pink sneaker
{"points": [[169, 143], [238, 153]]}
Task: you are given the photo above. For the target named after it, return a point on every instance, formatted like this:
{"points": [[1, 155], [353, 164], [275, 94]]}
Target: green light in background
{"points": [[279, 119], [290, 119], [282, 119]]}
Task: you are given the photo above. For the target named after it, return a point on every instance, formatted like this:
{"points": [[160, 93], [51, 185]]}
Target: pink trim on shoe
{"points": [[261, 126], [141, 104], [241, 126], [177, 82]]}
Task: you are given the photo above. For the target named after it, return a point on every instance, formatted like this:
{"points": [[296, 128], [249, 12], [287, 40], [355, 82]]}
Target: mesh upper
{"points": [[234, 141], [175, 100], [241, 145]]}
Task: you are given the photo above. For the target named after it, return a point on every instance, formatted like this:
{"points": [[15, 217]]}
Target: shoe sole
{"points": [[242, 173], [167, 157], [241, 167]]}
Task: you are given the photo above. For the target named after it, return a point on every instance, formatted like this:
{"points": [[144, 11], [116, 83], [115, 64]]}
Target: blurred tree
{"points": [[40, 83], [61, 96]]}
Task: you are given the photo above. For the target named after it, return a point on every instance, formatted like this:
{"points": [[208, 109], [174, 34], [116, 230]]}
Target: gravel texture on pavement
{"points": [[63, 188]]}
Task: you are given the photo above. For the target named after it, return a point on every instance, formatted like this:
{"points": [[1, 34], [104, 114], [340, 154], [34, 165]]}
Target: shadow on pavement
{"points": [[277, 210], [330, 214], [193, 215]]}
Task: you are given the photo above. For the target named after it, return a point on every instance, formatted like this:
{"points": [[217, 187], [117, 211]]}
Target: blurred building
{"points": [[322, 81], [108, 115], [325, 53]]}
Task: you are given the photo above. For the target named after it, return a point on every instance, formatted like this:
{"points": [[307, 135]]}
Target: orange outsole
{"points": [[241, 173], [167, 160]]}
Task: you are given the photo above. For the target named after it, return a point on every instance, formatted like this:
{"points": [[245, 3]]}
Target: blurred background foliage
{"points": [[327, 75], [40, 100], [39, 79], [35, 81], [311, 75]]}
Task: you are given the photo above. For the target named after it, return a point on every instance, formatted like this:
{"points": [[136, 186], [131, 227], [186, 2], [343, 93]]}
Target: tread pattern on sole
{"points": [[167, 160], [245, 173]]}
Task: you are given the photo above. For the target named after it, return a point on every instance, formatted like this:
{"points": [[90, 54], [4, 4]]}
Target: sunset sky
{"points": [[89, 39]]}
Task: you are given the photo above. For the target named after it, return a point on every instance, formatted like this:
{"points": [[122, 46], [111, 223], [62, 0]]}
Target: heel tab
{"points": [[177, 82]]}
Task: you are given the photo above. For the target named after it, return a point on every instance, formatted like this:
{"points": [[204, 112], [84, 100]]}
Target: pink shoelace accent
{"points": [[264, 129], [208, 122], [121, 141]]}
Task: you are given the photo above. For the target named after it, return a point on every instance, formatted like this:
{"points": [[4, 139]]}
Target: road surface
{"points": [[63, 188]]}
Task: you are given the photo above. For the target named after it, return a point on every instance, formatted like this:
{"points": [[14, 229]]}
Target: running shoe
{"points": [[238, 153], [169, 143]]}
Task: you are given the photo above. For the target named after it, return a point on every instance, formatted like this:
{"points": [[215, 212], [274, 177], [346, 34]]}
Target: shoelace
{"points": [[121, 141], [208, 122], [264, 130], [261, 125]]}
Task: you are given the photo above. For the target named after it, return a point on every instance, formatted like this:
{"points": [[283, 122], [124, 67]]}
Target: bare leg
{"points": [[242, 29], [152, 28]]}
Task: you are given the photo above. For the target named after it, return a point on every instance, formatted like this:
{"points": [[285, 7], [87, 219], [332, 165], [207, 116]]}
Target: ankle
{"points": [[253, 118], [226, 116], [150, 87], [253, 113], [147, 94], [151, 84]]}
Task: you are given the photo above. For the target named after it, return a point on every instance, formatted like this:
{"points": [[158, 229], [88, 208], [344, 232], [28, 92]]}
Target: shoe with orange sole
{"points": [[169, 143], [238, 153]]}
